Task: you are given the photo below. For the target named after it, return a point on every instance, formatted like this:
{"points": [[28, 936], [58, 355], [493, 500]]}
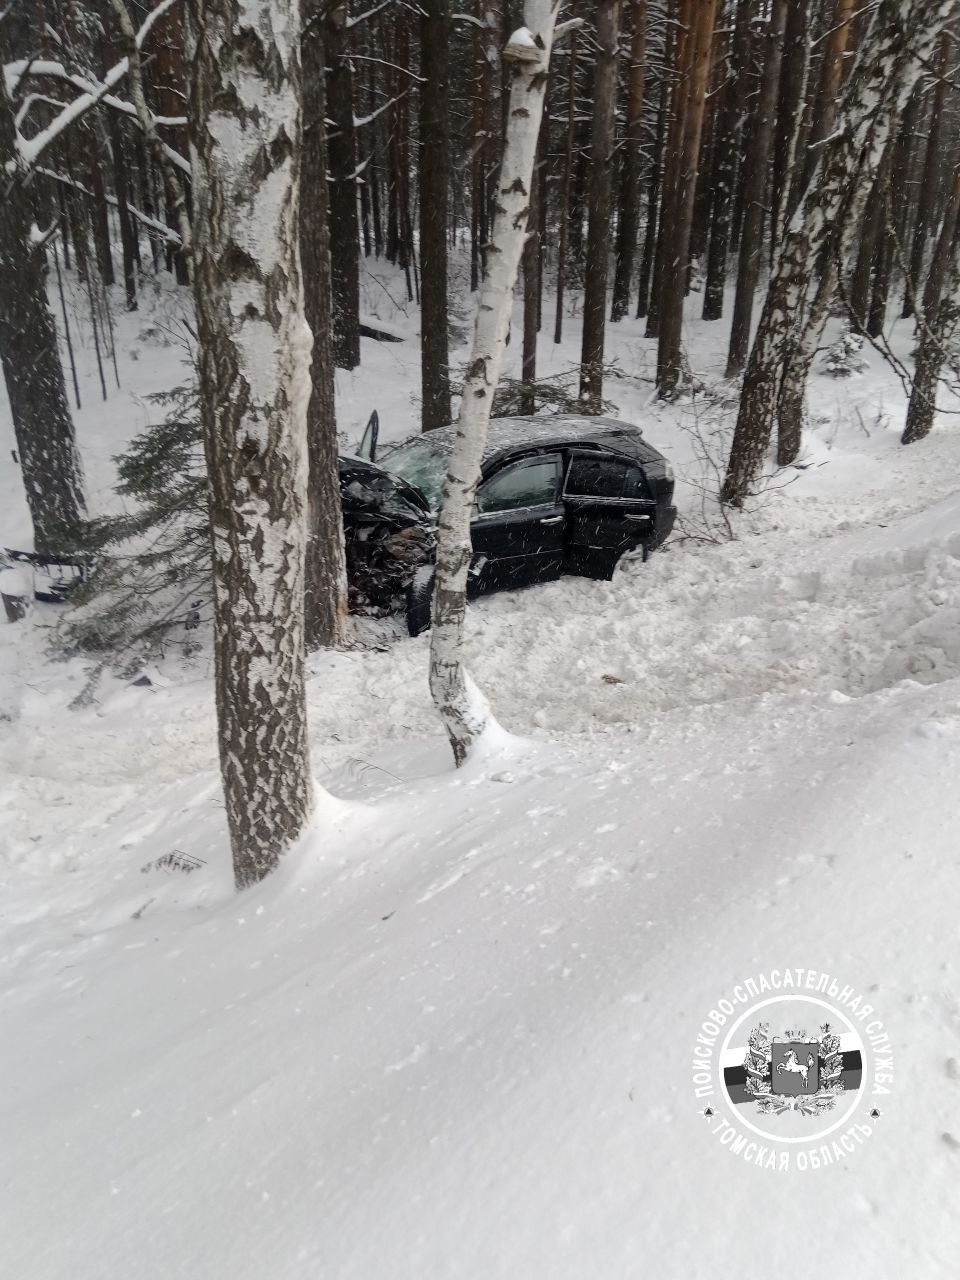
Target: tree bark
{"points": [[729, 130], [676, 261], [901, 35], [792, 108], [937, 334], [32, 369], [928, 184], [463, 709], [564, 237], [255, 387], [434, 179], [598, 224], [344, 220], [325, 591], [756, 182], [628, 223], [838, 36]]}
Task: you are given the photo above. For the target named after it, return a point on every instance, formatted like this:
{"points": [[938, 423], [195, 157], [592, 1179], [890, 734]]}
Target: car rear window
{"points": [[604, 478]]}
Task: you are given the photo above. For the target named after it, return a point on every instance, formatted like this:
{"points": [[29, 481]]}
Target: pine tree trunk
{"points": [[531, 296], [255, 387], [462, 707], [43, 427], [676, 260], [650, 236], [325, 590], [756, 166], [729, 130], [598, 226], [838, 36], [892, 53], [628, 223], [434, 178], [791, 110], [344, 221], [564, 236]]}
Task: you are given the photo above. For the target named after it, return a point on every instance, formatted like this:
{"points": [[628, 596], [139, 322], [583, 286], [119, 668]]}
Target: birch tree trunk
{"points": [[33, 372], [902, 34], [462, 707], [255, 386]]}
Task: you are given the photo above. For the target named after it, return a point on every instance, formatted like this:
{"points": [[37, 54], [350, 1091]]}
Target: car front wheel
{"points": [[420, 600]]}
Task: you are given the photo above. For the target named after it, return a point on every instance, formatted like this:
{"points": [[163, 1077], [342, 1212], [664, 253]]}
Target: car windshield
{"points": [[421, 465]]}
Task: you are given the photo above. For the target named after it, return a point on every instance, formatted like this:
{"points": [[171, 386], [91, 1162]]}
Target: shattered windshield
{"points": [[420, 464]]}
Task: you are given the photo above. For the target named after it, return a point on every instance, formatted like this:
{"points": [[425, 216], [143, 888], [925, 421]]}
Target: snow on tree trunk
{"points": [[940, 331], [901, 37], [462, 707], [33, 372], [255, 385]]}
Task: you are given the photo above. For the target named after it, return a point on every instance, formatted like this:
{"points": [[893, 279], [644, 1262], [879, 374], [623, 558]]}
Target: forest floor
{"points": [[453, 1037]]}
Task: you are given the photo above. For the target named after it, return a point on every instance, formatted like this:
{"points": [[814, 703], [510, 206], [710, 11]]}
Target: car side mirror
{"points": [[371, 434]]}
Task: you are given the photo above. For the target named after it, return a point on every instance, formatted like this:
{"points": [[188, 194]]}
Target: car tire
{"points": [[420, 600]]}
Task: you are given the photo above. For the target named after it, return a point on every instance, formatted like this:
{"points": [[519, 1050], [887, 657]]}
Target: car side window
{"points": [[602, 477], [533, 483]]}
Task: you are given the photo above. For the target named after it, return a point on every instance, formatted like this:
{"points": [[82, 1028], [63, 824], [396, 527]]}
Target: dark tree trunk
{"points": [[344, 222], [756, 166], [942, 255], [650, 236], [677, 250], [928, 184], [726, 154], [43, 427], [564, 236], [937, 335], [325, 584], [530, 263], [791, 113], [434, 179], [598, 233], [628, 223], [838, 36]]}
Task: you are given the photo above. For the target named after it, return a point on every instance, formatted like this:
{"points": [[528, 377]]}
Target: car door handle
{"points": [[552, 520], [637, 518]]}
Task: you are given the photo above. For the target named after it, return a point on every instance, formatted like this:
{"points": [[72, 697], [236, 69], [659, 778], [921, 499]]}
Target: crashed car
{"points": [[567, 494]]}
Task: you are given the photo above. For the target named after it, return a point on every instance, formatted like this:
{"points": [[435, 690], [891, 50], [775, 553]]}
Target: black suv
{"points": [[557, 495]]}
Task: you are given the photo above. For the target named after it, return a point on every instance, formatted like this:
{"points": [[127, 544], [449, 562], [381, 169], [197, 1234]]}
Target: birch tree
{"points": [[255, 386], [463, 709], [900, 38]]}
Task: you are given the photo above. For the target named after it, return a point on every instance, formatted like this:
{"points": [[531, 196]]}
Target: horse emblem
{"points": [[792, 1063]]}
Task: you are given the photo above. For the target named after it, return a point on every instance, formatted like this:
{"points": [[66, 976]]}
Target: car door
{"points": [[610, 511], [518, 526]]}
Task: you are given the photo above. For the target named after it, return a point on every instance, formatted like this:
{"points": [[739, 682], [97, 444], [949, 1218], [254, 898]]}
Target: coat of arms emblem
{"points": [[794, 1072]]}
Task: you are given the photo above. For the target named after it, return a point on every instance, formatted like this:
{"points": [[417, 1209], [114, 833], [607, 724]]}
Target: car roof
{"points": [[505, 435]]}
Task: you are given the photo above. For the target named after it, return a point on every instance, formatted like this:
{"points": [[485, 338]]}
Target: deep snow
{"points": [[453, 1036]]}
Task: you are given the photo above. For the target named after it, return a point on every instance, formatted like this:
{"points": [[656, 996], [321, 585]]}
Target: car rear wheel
{"points": [[640, 553]]}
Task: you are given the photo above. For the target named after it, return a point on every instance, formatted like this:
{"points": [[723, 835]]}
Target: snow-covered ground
{"points": [[454, 1036]]}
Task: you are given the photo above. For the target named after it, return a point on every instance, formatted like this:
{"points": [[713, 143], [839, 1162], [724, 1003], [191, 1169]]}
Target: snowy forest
{"points": [[480, 566]]}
